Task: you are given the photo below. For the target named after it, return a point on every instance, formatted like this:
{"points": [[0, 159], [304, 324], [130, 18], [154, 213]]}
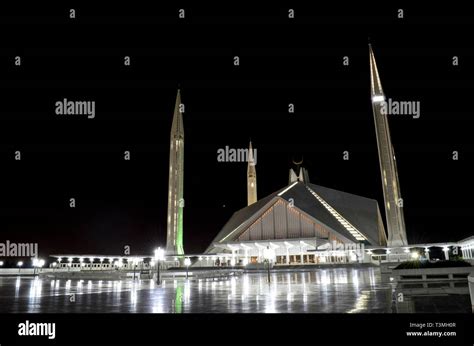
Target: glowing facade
{"points": [[302, 223]]}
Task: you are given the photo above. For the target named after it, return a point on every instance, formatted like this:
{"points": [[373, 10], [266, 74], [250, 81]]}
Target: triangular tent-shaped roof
{"points": [[349, 217]]}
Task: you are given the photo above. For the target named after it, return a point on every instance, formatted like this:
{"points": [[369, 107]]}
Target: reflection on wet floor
{"points": [[338, 290], [332, 290]]}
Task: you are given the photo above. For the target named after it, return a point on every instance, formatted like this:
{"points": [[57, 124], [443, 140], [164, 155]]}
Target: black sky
{"points": [[300, 61]]}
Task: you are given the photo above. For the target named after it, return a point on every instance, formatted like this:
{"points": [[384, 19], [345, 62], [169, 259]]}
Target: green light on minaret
{"points": [[179, 233]]}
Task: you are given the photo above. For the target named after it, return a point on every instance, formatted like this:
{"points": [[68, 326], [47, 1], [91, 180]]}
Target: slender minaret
{"points": [[174, 238], [251, 178], [391, 188]]}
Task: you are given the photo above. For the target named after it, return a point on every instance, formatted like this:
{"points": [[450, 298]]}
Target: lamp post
{"points": [[159, 256], [446, 252], [59, 262], [54, 264], [35, 264], [135, 263], [151, 265], [187, 263], [69, 264], [40, 264], [19, 264], [268, 254]]}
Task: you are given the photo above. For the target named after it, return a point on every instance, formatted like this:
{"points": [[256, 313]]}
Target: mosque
{"points": [[301, 223], [306, 223]]}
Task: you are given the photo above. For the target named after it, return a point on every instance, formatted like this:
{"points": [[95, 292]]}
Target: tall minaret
{"points": [[251, 178], [174, 237], [391, 187]]}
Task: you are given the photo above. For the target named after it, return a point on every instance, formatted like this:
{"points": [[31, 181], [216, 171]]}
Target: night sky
{"points": [[282, 61]]}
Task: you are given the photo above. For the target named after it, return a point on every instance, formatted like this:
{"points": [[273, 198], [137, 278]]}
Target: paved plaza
{"points": [[336, 290]]}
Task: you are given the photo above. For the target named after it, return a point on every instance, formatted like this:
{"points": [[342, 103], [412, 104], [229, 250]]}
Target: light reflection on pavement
{"points": [[338, 290]]}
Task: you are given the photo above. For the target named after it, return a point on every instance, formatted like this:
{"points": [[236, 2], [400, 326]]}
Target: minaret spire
{"points": [[174, 236], [375, 85], [391, 187], [251, 178]]}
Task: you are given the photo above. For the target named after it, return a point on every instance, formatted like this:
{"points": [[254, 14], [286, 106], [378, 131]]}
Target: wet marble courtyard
{"points": [[333, 290], [337, 290]]}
